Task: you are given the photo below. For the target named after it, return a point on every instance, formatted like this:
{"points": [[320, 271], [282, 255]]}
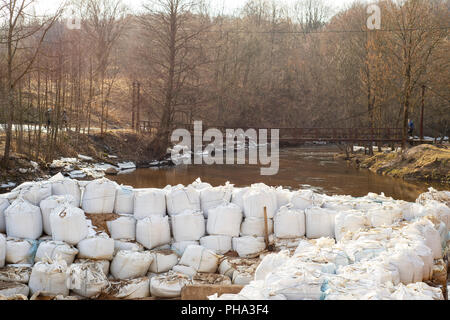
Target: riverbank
{"points": [[422, 163]]}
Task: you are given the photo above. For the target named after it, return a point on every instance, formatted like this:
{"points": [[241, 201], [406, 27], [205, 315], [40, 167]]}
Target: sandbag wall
{"points": [[166, 238]]}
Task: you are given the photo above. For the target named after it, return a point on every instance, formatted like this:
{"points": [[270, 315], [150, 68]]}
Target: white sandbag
{"points": [[384, 216], [2, 251], [271, 263], [180, 247], [86, 279], [319, 223], [258, 197], [19, 251], [255, 227], [303, 199], [11, 289], [188, 271], [130, 289], [180, 199], [349, 221], [248, 247], [68, 224], [131, 264], [23, 220], [284, 197], [211, 279], [225, 220], [49, 278], [289, 223], [168, 285], [67, 186], [425, 229], [124, 203], [35, 192], [4, 204], [439, 210], [213, 197], [409, 265], [200, 258], [123, 228], [163, 261], [15, 273], [237, 197], [417, 291], [217, 244], [148, 202], [51, 203], [99, 196], [99, 247], [127, 245], [55, 250], [242, 279], [153, 231], [188, 226], [103, 264], [426, 255]]}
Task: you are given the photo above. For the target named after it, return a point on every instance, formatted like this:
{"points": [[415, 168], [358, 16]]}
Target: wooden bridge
{"points": [[303, 135]]}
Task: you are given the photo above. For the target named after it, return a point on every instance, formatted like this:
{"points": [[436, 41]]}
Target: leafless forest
{"points": [[267, 66]]}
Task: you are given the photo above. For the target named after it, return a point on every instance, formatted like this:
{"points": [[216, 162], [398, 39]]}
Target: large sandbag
{"points": [[11, 289], [99, 196], [153, 231], [148, 202], [124, 203], [200, 258], [384, 216], [289, 223], [103, 264], [319, 223], [68, 224], [425, 229], [303, 199], [255, 227], [129, 289], [349, 221], [213, 197], [15, 273], [86, 279], [127, 245], [248, 247], [439, 210], [2, 251], [187, 271], [131, 264], [23, 220], [217, 244], [225, 220], [188, 226], [271, 263], [99, 247], [168, 285], [34, 192], [258, 197], [123, 228], [67, 186], [19, 251], [410, 266], [163, 261], [56, 250], [180, 199], [51, 203], [49, 278], [180, 247], [237, 197], [4, 204]]}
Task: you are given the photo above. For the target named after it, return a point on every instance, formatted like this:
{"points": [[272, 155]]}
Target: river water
{"points": [[300, 168]]}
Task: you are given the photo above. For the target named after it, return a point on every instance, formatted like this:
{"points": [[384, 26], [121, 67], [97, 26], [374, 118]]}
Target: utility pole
{"points": [[421, 113]]}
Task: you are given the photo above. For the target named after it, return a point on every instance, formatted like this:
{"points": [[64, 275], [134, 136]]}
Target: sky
{"points": [[229, 5]]}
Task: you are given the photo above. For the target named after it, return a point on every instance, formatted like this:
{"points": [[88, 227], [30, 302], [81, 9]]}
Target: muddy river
{"points": [[300, 168]]}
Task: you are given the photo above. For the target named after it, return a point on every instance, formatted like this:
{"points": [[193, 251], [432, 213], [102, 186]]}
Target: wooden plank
{"points": [[201, 292]]}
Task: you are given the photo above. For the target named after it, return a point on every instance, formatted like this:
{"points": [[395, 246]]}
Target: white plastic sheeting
{"points": [[99, 196], [200, 258], [258, 197], [180, 199], [66, 186], [86, 279], [123, 228], [188, 226], [131, 264], [217, 244], [248, 247], [153, 231], [99, 247], [68, 224], [255, 227], [51, 203], [163, 261], [168, 285], [55, 250], [289, 223], [148, 202], [225, 220], [49, 278], [124, 203], [4, 204], [23, 220], [213, 197]]}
